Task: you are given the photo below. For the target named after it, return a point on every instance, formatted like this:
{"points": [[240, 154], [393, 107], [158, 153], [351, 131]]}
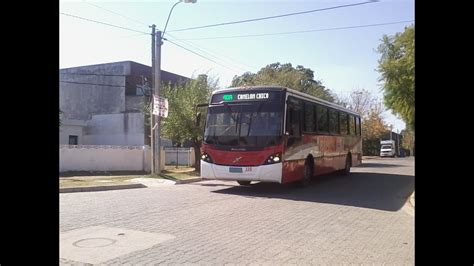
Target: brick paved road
{"points": [[337, 220]]}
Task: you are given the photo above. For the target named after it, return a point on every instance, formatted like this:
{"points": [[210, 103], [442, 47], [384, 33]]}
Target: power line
{"points": [[219, 54], [113, 12], [272, 17], [199, 55], [135, 35], [103, 23], [84, 83], [295, 32], [211, 53]]}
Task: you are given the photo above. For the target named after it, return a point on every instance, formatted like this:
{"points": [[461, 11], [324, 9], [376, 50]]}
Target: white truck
{"points": [[387, 148]]}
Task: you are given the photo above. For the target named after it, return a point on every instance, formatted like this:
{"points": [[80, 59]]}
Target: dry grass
{"points": [[181, 172], [92, 181]]}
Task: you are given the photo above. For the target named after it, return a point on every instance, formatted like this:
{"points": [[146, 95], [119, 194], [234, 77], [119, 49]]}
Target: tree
{"points": [[362, 101], [408, 141], [180, 125], [397, 67], [373, 124], [276, 74]]}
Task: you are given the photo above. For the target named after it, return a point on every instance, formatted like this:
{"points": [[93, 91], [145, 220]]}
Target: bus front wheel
{"points": [[244, 183]]}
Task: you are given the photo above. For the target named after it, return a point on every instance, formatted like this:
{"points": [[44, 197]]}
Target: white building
{"points": [[102, 104]]}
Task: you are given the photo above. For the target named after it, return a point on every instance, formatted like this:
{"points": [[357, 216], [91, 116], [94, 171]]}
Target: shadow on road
{"points": [[387, 192], [378, 165], [212, 185]]}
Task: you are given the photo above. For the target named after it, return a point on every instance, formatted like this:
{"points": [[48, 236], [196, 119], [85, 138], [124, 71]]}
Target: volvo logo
{"points": [[237, 159]]}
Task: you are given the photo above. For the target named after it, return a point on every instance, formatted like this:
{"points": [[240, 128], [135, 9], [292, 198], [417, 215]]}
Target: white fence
{"points": [[179, 156], [103, 158]]}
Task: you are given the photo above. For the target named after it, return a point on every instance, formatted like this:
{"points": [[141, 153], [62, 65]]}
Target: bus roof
{"points": [[294, 92]]}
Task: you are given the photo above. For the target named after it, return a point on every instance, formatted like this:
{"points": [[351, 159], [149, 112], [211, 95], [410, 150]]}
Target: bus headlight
{"points": [[205, 157], [275, 158]]}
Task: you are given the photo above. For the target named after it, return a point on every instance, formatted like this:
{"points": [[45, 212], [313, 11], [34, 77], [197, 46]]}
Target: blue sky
{"points": [[343, 60]]}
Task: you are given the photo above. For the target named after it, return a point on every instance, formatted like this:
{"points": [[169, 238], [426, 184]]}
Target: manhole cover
{"points": [[94, 242], [97, 244]]}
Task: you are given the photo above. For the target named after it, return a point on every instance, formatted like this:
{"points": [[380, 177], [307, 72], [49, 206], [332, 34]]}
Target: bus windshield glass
{"points": [[254, 124]]}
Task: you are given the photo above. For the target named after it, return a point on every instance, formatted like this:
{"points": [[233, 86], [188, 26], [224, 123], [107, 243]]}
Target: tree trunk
{"points": [[197, 155]]}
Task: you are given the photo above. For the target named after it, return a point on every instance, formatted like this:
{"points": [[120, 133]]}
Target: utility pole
{"points": [[157, 38], [157, 81], [152, 147]]}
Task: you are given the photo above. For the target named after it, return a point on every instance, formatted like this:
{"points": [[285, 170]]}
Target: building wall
{"points": [[66, 130], [104, 158], [105, 95], [88, 90], [134, 103], [115, 129]]}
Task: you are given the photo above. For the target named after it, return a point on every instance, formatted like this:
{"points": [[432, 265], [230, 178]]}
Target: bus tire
{"points": [[347, 167], [308, 175], [244, 183]]}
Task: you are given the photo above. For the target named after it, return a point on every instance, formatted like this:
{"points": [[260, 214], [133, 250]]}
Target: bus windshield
{"points": [[254, 124]]}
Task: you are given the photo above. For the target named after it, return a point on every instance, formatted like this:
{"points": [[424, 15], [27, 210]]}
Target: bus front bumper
{"points": [[265, 173]]}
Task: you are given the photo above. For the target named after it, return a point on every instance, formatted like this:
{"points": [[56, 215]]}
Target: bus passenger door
{"points": [[293, 123]]}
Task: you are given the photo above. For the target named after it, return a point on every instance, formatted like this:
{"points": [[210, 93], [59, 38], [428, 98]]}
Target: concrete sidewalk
{"points": [[126, 183], [99, 188]]}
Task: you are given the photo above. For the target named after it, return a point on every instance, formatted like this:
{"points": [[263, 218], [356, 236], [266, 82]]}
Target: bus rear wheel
{"points": [[244, 183], [308, 175], [347, 168]]}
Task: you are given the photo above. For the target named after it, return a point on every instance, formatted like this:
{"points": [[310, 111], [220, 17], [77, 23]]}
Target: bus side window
{"points": [[343, 123], [293, 123], [293, 119], [322, 119], [351, 125], [333, 121], [309, 121], [357, 125], [289, 112]]}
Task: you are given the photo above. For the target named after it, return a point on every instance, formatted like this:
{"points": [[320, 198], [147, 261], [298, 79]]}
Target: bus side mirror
{"points": [[198, 119]]}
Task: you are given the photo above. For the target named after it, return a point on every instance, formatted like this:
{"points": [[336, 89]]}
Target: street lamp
{"points": [[156, 66], [169, 15]]}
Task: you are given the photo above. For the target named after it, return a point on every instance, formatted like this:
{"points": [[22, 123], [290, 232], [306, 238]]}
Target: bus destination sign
{"points": [[244, 96]]}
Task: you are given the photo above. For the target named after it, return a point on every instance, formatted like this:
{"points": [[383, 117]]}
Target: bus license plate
{"points": [[235, 169]]}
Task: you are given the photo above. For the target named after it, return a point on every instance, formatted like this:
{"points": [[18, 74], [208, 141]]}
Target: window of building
{"points": [[73, 140]]}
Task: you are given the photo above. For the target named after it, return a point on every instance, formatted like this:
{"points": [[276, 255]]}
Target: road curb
{"points": [[189, 180], [99, 188], [181, 181], [412, 199], [370, 157]]}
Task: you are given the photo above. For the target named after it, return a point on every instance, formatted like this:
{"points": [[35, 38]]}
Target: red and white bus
{"points": [[276, 134]]}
